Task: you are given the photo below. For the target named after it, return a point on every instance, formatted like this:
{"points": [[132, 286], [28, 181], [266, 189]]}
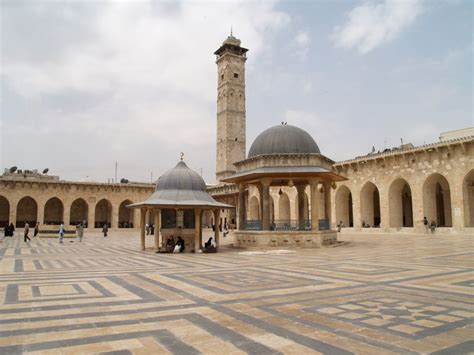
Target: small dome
{"points": [[181, 178], [283, 139], [232, 40]]}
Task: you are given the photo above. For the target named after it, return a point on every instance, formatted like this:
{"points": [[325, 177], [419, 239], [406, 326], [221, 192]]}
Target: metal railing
{"points": [[324, 224], [253, 225], [291, 225]]}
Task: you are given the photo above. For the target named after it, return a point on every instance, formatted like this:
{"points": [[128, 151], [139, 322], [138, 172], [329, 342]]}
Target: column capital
{"points": [[266, 182], [242, 187], [301, 186], [313, 181]]}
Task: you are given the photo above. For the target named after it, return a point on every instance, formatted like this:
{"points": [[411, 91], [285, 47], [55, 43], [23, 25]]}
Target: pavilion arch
{"points": [[437, 200], [400, 204], [126, 219], [344, 206], [284, 212], [26, 211], [208, 218], [468, 197], [254, 209], [79, 212], [53, 211], [370, 205], [103, 213], [4, 211]]}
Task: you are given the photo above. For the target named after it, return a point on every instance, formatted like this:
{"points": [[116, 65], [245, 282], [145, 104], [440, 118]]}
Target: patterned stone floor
{"points": [[377, 294]]}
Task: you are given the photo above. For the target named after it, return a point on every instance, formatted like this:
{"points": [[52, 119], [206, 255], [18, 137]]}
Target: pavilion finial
{"points": [[182, 156], [231, 31]]}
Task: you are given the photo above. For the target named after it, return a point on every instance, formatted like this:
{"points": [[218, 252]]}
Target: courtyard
{"points": [[372, 294]]}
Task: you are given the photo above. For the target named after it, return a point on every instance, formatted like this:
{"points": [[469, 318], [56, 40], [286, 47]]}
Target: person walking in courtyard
{"points": [[80, 231], [426, 224], [61, 232], [11, 230], [36, 230], [105, 230], [433, 227], [26, 231]]}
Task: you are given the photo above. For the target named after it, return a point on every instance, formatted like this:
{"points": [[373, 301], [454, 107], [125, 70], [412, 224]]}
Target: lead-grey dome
{"points": [[181, 178], [283, 139]]}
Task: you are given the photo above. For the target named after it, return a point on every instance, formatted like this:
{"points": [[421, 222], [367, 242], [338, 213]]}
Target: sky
{"points": [[86, 84]]}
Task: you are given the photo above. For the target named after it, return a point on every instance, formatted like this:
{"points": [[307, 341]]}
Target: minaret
{"points": [[230, 62]]}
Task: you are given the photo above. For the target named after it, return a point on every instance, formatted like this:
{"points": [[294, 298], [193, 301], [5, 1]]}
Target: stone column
{"points": [[40, 212], [300, 188], [142, 228], [157, 230], [67, 215], [356, 208], [91, 215], [266, 204], [241, 212], [327, 201], [216, 231], [197, 229], [384, 209], [12, 215], [115, 216], [314, 205]]}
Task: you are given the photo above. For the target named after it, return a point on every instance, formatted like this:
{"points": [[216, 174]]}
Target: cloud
{"points": [[128, 81], [301, 45], [373, 24]]}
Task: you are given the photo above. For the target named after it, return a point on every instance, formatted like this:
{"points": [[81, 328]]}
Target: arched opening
{"points": [[468, 197], [254, 209], [103, 213], [284, 208], [344, 206], [400, 204], [79, 211], [125, 215], [207, 219], [53, 212], [26, 211], [370, 205], [4, 212], [437, 200]]}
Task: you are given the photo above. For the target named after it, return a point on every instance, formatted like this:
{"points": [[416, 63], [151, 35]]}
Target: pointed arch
{"points": [[26, 211], [437, 200], [370, 205], [103, 213], [126, 215], [284, 207], [254, 209], [79, 212], [53, 211], [344, 211], [400, 204], [4, 211]]}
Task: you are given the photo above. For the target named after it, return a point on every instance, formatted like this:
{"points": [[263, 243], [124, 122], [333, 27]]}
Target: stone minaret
{"points": [[230, 61]]}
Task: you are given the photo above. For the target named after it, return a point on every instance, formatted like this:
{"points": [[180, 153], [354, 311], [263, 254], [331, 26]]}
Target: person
{"points": [[6, 230], [208, 243], [26, 231], [179, 247], [426, 224], [105, 229], [12, 229], [147, 229], [80, 231], [61, 232], [170, 244], [152, 229], [339, 226], [36, 230], [433, 227]]}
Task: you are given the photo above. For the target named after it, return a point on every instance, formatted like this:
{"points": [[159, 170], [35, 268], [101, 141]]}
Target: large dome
{"points": [[181, 178], [283, 139]]}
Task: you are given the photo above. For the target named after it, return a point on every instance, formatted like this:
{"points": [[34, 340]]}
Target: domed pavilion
{"points": [[285, 157], [178, 202]]}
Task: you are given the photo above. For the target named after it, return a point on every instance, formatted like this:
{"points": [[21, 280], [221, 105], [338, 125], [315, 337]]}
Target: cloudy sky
{"points": [[87, 83]]}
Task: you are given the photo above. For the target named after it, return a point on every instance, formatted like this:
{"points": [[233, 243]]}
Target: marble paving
{"points": [[377, 294]]}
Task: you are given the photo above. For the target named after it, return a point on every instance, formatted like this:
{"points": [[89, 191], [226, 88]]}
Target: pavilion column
{"points": [[157, 230], [197, 229], [314, 205], [217, 213], [142, 228], [266, 204], [300, 188], [327, 202], [241, 212]]}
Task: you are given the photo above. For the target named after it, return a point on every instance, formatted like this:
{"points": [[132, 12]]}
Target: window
{"points": [[236, 75]]}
